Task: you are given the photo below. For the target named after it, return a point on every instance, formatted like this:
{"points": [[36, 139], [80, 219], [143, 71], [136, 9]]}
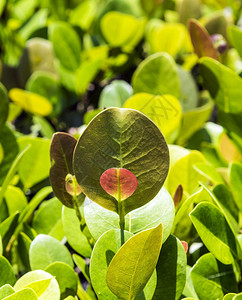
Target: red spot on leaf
{"points": [[185, 245], [119, 183]]}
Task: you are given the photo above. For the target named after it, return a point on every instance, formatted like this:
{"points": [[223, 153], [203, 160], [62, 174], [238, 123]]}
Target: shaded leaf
{"points": [[171, 270], [61, 154], [4, 103], [66, 43], [75, 236], [65, 276]]}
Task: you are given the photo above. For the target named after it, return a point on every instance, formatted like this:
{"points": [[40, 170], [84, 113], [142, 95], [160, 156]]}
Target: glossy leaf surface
{"points": [[158, 210], [214, 231], [121, 138], [6, 290], [130, 270], [34, 280], [224, 85], [26, 293], [45, 250], [212, 279]]}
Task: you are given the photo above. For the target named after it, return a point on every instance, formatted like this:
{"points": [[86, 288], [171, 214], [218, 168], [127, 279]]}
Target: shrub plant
{"points": [[120, 149]]}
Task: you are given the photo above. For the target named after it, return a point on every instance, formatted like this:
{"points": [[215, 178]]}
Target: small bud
{"points": [[219, 42]]}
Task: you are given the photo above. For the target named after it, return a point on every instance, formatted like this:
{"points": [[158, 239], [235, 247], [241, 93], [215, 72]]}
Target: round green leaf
{"points": [[121, 29], [43, 283], [31, 102], [65, 276], [121, 138], [45, 250], [171, 270], [6, 271], [66, 44], [168, 37], [75, 236], [119, 183], [157, 75], [103, 252], [115, 94], [224, 85], [215, 232], [3, 105], [164, 110], [158, 210], [47, 219], [211, 279], [130, 270]]}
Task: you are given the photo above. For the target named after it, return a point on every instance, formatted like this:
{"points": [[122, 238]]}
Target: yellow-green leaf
{"points": [[31, 102]]}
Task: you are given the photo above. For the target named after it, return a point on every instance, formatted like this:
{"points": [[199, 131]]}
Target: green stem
{"points": [[121, 212], [77, 209]]}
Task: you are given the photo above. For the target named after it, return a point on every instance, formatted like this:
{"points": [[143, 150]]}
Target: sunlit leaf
{"points": [[130, 270], [31, 102], [114, 136], [119, 183]]}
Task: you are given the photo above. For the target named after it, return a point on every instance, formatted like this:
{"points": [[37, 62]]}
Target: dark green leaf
{"points": [[121, 138], [171, 270], [215, 232]]}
